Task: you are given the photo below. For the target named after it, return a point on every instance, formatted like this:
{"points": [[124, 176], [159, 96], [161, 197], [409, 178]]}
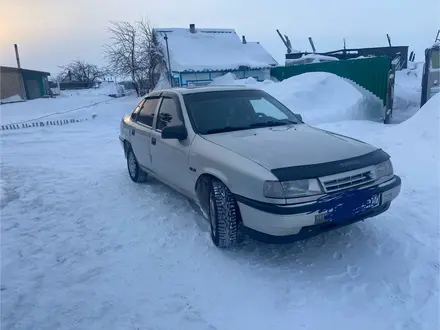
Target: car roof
{"points": [[203, 89]]}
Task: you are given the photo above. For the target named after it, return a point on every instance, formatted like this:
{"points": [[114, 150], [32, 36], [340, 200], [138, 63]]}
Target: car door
{"points": [[141, 131], [169, 156]]}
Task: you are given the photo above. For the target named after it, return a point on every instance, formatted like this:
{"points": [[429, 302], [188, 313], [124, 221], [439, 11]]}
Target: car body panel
{"points": [[294, 145]]}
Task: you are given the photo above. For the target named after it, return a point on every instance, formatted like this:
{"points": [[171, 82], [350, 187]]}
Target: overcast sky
{"points": [[51, 33]]}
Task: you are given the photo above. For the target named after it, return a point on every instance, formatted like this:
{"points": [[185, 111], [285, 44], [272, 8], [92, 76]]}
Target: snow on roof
{"points": [[212, 50], [311, 58]]}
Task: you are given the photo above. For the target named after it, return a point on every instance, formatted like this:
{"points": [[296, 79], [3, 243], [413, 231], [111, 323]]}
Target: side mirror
{"points": [[175, 132], [298, 116]]}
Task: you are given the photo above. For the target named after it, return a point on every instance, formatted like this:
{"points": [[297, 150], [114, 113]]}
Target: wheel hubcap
{"points": [[132, 165], [212, 215]]}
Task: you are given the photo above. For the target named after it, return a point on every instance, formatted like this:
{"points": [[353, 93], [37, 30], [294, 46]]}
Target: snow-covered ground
{"points": [[83, 247], [407, 92]]}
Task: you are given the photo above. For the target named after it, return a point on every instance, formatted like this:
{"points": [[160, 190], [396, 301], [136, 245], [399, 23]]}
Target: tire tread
{"points": [[227, 215]]}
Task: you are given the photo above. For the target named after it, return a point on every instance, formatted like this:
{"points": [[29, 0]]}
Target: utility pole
{"points": [[17, 56], [169, 64]]}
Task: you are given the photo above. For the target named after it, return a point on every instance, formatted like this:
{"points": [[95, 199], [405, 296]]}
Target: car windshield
{"points": [[224, 111]]}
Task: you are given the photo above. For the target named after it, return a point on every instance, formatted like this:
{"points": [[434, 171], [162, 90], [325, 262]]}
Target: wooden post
{"points": [[312, 44], [389, 40]]}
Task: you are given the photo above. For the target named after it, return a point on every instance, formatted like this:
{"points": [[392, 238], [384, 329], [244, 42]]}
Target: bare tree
{"points": [[134, 53], [152, 48], [81, 71]]}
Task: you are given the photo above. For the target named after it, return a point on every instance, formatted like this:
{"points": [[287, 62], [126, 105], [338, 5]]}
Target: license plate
{"points": [[350, 207], [370, 203]]}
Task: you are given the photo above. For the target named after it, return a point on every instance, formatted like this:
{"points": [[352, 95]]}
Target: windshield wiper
{"points": [[225, 129], [272, 123]]}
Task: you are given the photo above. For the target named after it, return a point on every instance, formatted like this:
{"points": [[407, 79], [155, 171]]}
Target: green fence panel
{"points": [[369, 73]]}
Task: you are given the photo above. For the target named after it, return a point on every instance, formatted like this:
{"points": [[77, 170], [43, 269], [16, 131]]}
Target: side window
{"points": [[169, 115], [146, 114], [134, 114]]}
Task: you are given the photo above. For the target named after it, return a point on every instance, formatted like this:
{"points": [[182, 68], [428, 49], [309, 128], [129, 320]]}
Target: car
{"points": [[253, 166]]}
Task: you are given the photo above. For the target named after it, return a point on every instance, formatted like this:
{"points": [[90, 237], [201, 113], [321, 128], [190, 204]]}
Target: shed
{"points": [[28, 84], [197, 56]]}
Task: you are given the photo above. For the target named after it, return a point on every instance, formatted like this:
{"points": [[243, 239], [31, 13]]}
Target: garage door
{"points": [[33, 89]]}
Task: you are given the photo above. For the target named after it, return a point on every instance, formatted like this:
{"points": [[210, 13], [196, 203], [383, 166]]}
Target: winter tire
{"points": [[134, 170], [224, 216]]}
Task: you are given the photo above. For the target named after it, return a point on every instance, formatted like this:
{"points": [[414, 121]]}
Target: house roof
{"points": [[212, 50], [9, 68]]}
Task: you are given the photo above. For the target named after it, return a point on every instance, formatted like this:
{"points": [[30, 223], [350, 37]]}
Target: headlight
{"points": [[292, 189], [383, 169]]}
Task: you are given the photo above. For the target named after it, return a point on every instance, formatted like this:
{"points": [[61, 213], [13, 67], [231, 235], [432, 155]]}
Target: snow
{"points": [[12, 99], [112, 89], [334, 99], [66, 105], [311, 58], [212, 49], [407, 93], [83, 247]]}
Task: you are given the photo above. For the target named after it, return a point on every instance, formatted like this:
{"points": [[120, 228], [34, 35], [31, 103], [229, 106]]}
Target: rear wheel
{"points": [[134, 170], [224, 216]]}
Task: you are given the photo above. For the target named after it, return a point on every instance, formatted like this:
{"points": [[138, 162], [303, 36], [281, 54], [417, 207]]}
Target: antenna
{"points": [[436, 37]]}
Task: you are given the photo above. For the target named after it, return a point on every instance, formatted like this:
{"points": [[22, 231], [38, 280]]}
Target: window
{"points": [[136, 111], [146, 114], [222, 111], [435, 62], [267, 109], [169, 115]]}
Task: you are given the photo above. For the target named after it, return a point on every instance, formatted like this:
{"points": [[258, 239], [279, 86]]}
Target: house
{"points": [[28, 84], [197, 56]]}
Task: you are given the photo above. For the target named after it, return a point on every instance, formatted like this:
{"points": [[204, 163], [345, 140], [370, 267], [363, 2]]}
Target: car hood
{"points": [[294, 145]]}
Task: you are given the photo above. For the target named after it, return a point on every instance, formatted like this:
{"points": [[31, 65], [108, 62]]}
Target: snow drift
{"points": [[319, 97], [112, 89], [11, 99]]}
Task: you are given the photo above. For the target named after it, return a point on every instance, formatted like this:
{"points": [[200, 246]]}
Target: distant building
{"points": [[64, 85], [28, 84], [197, 56]]}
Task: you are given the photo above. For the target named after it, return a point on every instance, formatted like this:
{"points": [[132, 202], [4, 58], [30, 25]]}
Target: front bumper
{"points": [[286, 223]]}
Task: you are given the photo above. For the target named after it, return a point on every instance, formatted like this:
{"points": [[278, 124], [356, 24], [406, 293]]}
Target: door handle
{"points": [[153, 141], [133, 132]]}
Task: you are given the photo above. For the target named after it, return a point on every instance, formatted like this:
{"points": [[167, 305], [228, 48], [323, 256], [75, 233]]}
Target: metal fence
{"points": [[369, 73]]}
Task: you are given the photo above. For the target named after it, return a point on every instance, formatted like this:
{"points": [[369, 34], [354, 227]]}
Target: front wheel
{"points": [[224, 216], [134, 170]]}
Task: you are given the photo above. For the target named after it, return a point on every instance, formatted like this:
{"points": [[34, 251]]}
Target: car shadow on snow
{"points": [[334, 252]]}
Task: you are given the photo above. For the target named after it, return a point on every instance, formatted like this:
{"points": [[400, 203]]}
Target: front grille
{"points": [[348, 182]]}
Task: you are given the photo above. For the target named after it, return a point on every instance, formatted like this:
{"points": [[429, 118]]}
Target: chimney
{"points": [[243, 40], [17, 56], [192, 28]]}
